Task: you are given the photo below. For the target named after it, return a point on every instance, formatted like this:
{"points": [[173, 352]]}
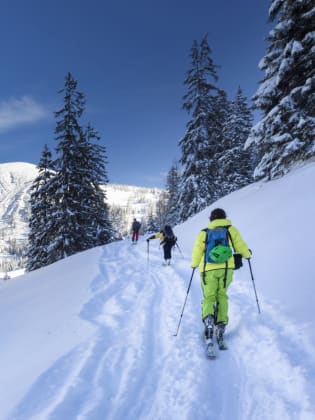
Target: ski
{"points": [[210, 345], [220, 339], [210, 351], [221, 344]]}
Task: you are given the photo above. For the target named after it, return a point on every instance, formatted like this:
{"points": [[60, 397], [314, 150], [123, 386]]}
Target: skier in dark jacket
{"points": [[168, 240], [135, 230]]}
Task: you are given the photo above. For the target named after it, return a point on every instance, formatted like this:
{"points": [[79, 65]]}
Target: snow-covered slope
{"points": [[92, 336], [15, 181], [137, 202]]}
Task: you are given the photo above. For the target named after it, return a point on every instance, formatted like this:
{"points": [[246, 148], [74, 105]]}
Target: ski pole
{"points": [[148, 249], [179, 249], [251, 273], [181, 315]]}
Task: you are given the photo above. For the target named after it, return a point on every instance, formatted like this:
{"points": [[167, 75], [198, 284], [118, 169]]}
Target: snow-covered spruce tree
{"points": [[151, 225], [194, 195], [216, 146], [40, 203], [99, 230], [286, 96], [118, 219], [161, 210], [172, 189], [79, 219], [69, 233], [235, 164]]}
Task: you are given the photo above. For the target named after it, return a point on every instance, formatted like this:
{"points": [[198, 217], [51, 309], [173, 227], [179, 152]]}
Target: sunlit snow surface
{"points": [[92, 336]]}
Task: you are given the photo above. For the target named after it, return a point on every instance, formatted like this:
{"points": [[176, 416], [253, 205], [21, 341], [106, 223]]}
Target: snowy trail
{"points": [[134, 368], [268, 349]]}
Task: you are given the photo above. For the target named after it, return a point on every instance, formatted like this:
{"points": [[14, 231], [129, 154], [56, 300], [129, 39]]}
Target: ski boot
{"points": [[209, 323], [219, 332]]}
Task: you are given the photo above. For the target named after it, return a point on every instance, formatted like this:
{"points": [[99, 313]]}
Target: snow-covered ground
{"points": [[92, 336]]}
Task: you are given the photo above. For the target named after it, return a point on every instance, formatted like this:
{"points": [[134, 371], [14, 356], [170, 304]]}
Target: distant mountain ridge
{"points": [[16, 179]]}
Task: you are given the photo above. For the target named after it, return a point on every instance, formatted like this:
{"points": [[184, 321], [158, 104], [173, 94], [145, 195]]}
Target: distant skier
{"points": [[168, 240], [217, 276], [135, 228]]}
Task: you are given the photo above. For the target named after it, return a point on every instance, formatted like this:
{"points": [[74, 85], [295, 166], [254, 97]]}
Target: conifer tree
{"points": [[161, 210], [68, 202], [99, 230], [68, 235], [79, 213], [151, 225], [118, 219], [173, 191], [286, 96], [195, 143], [235, 163], [217, 147], [40, 203]]}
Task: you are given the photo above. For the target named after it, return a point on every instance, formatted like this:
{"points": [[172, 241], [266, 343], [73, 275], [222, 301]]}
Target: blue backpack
{"points": [[217, 247]]}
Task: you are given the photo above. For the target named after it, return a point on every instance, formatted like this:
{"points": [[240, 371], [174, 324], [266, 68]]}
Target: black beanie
{"points": [[217, 214]]}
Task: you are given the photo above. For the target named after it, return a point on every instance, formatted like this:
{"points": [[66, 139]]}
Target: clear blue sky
{"points": [[130, 59]]}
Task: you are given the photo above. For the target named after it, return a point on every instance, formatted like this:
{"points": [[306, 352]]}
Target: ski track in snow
{"points": [[264, 341], [135, 368]]}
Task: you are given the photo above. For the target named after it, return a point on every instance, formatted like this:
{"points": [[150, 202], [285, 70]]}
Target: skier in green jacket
{"points": [[216, 277]]}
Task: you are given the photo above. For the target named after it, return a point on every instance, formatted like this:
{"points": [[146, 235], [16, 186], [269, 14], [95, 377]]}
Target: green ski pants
{"points": [[214, 293]]}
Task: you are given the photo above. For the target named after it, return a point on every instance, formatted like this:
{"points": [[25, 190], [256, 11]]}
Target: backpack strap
{"points": [[230, 237], [226, 264], [204, 261]]}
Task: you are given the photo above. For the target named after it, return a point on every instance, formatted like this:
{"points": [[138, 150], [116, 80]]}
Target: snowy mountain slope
{"points": [[92, 336], [134, 201], [15, 183]]}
